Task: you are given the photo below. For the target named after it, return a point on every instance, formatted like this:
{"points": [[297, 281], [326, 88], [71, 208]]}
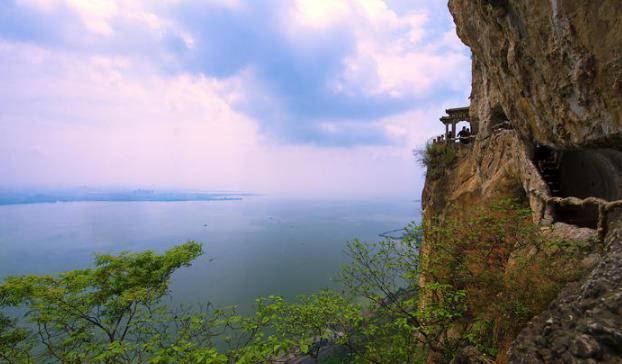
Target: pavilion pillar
{"points": [[453, 128], [446, 133]]}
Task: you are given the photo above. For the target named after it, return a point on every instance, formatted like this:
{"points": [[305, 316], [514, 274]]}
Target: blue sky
{"points": [[313, 97]]}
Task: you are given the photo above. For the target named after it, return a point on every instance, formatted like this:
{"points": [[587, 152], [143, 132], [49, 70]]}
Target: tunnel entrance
{"points": [[581, 173]]}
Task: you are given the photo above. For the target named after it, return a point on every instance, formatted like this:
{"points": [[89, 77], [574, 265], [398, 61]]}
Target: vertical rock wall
{"points": [[553, 69]]}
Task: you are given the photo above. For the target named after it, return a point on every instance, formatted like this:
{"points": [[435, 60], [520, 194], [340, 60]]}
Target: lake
{"points": [[253, 247]]}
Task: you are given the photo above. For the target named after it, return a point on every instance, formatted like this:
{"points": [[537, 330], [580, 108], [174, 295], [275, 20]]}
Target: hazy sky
{"points": [[313, 97]]}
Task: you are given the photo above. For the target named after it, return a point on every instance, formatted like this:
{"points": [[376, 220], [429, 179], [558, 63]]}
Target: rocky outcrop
{"points": [[497, 166], [554, 68], [584, 324]]}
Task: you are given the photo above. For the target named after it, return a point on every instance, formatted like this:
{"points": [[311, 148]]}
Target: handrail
{"points": [[452, 140], [603, 205], [457, 139]]}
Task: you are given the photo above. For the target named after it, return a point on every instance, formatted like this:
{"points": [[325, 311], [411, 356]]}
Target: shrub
{"points": [[438, 158], [499, 258]]}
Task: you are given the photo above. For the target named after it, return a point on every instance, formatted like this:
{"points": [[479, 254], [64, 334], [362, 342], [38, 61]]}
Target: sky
{"points": [[282, 97]]}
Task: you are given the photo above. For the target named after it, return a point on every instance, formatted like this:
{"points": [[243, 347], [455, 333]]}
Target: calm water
{"points": [[254, 247]]}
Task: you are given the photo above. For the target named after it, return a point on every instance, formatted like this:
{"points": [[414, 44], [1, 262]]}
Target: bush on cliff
{"points": [[438, 158], [500, 259]]}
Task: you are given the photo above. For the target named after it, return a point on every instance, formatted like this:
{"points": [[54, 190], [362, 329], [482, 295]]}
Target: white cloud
{"points": [[43, 5], [94, 14], [318, 13], [72, 119], [321, 14], [114, 118], [92, 118], [413, 128], [396, 54], [403, 67], [403, 74], [99, 17]]}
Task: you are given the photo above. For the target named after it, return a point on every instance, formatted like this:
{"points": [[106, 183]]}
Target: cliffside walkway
{"points": [[584, 186], [604, 208]]}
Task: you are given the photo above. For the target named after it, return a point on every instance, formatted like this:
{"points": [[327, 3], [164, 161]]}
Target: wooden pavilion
{"points": [[453, 117]]}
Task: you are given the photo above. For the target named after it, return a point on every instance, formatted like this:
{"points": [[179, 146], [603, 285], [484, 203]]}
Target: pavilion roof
{"points": [[455, 115]]}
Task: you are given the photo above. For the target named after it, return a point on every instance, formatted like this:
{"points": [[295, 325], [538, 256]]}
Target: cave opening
{"points": [[498, 119], [580, 173]]}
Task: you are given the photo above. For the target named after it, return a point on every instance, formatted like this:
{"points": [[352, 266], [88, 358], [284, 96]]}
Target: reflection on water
{"points": [[257, 246]]}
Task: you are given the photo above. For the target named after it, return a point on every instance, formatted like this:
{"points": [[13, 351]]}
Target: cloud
{"points": [[398, 56], [84, 120], [92, 118], [231, 94], [320, 62], [319, 14], [304, 63]]}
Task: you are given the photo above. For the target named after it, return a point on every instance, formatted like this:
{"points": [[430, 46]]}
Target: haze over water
{"points": [[253, 247]]}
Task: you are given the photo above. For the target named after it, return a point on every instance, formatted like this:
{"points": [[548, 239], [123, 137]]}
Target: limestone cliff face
{"points": [[497, 166], [552, 70]]}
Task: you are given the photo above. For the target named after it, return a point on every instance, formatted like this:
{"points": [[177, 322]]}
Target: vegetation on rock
{"points": [[506, 267], [438, 158]]}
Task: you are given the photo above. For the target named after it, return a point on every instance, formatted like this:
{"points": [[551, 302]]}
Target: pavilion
{"points": [[453, 117]]}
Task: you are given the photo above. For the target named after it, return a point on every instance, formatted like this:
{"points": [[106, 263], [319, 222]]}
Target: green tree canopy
{"points": [[81, 314]]}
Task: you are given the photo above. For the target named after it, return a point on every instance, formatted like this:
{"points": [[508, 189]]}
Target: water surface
{"points": [[253, 247]]}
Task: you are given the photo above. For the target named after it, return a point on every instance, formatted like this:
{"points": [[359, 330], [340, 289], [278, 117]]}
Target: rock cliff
{"points": [[584, 324], [554, 68], [547, 74]]}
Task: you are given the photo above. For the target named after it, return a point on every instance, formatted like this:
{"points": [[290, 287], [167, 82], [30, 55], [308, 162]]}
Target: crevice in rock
{"points": [[498, 119]]}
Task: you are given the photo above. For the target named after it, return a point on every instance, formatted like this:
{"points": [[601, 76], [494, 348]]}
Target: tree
{"points": [[89, 315], [112, 313], [323, 320], [386, 274], [14, 344]]}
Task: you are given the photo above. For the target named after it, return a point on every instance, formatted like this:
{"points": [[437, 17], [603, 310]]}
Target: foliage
{"points": [[113, 314], [14, 344], [386, 275], [486, 272], [87, 314], [438, 158], [317, 321], [483, 275], [496, 255]]}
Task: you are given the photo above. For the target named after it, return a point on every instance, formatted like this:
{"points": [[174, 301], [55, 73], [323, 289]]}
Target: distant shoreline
{"points": [[3, 203], [25, 198]]}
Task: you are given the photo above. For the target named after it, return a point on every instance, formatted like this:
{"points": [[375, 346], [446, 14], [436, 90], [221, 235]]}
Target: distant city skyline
{"points": [[307, 97]]}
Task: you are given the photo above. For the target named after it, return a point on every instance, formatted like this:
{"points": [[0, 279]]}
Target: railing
{"points": [[604, 207], [457, 140]]}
